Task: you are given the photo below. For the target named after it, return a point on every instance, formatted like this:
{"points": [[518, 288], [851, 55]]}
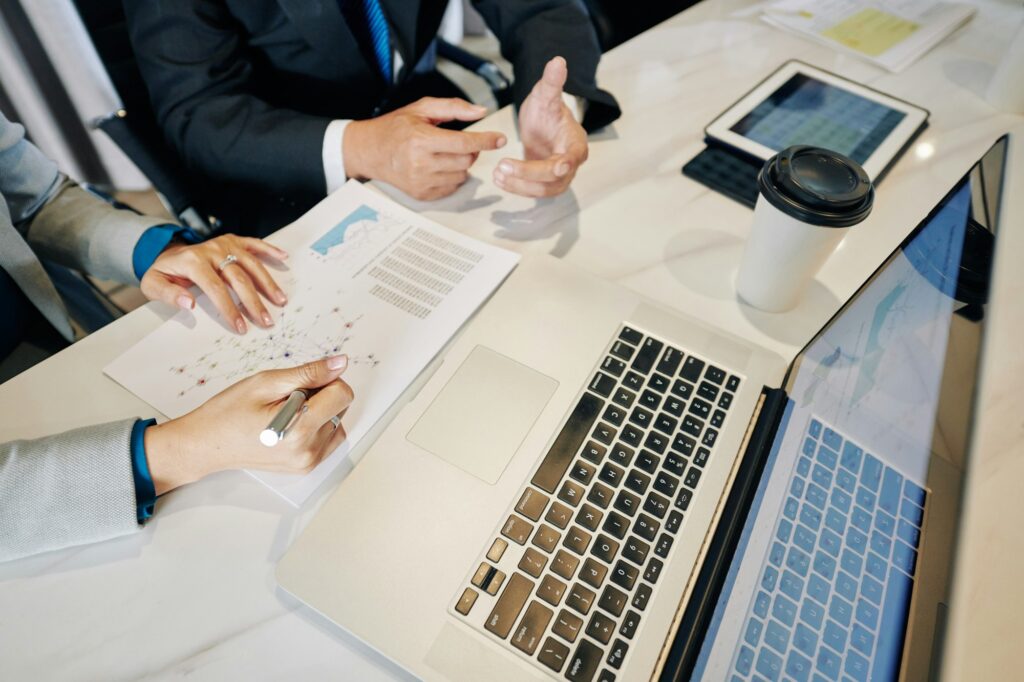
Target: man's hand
{"points": [[180, 266], [223, 433], [556, 144], [406, 148]]}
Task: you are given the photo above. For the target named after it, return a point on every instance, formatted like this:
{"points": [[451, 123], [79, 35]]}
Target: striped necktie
{"points": [[379, 36]]}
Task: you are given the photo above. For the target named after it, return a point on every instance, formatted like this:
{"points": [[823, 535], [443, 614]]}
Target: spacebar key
{"points": [[567, 443]]}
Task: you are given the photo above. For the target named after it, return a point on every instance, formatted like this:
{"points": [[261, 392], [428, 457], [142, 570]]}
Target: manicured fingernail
{"points": [[337, 362], [499, 178], [280, 297], [240, 325], [505, 168], [561, 169], [267, 322], [502, 141], [186, 302]]}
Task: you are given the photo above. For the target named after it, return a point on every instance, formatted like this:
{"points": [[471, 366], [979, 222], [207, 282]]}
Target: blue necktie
{"points": [[378, 26]]}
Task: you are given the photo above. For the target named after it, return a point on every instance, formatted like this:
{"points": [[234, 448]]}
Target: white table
{"points": [[193, 594]]}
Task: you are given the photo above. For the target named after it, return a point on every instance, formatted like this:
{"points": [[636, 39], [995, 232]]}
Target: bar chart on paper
{"points": [[367, 278]]}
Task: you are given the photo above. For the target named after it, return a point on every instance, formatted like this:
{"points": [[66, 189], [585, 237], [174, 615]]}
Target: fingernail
{"points": [[561, 169], [185, 302], [505, 168], [502, 141], [240, 325], [280, 297], [267, 322], [499, 178], [337, 362]]}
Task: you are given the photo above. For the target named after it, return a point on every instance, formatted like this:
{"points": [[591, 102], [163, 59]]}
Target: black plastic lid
{"points": [[817, 186]]}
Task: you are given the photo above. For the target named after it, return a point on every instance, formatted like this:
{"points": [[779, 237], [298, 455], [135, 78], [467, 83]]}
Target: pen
{"points": [[278, 426]]}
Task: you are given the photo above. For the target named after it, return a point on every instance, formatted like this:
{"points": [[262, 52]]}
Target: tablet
{"points": [[800, 104]]}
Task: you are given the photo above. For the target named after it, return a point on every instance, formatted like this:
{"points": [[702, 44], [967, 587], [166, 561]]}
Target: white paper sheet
{"points": [[365, 277]]}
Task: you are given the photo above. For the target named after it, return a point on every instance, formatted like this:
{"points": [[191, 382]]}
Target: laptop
{"points": [[592, 487]]}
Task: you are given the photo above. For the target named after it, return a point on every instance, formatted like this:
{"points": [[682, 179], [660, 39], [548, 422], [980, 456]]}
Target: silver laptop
{"points": [[594, 488]]}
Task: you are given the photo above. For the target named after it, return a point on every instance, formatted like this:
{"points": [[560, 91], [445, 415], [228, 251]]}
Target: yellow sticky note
{"points": [[871, 31]]}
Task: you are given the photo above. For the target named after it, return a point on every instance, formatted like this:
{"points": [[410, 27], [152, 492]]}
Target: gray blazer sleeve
{"points": [[68, 489]]}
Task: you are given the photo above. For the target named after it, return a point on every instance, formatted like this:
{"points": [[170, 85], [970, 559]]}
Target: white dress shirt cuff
{"points": [[333, 154]]}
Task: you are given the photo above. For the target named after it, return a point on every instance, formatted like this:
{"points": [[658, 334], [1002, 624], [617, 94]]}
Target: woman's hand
{"points": [[181, 265], [224, 432]]}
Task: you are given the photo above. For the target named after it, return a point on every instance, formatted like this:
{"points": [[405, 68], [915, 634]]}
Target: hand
{"points": [[556, 145], [406, 148], [223, 433], [181, 265]]}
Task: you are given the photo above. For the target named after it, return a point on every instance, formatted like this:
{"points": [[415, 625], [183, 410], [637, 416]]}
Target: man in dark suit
{"points": [[276, 102]]}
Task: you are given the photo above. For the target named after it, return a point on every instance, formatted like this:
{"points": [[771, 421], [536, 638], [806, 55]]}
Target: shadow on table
{"points": [[546, 218], [798, 326]]}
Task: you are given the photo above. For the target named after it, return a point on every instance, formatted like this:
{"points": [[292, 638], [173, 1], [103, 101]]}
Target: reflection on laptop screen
{"points": [[867, 459]]}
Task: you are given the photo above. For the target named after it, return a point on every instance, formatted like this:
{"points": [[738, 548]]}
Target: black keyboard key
{"points": [[601, 495], [644, 361], [532, 503], [571, 493], [733, 383], [510, 603], [611, 474], [633, 381], [558, 515], [692, 477], [701, 458], [517, 529], [714, 375], [569, 440], [692, 425], [701, 408], [691, 369], [664, 545], [675, 520], [725, 401], [707, 391], [623, 397], [582, 472], [580, 599], [594, 452], [647, 461], [683, 498], [684, 445], [670, 360], [602, 384], [589, 517], [621, 454], [717, 418], [623, 351], [641, 417], [627, 503], [629, 624], [659, 382], [593, 572], [637, 481], [666, 424], [577, 540], [612, 599], [605, 548], [613, 366], [631, 335], [709, 438], [666, 484], [617, 653], [675, 406], [656, 505], [553, 654], [675, 463], [614, 415], [631, 435], [642, 596], [600, 628], [616, 524], [606, 675], [636, 550], [567, 625], [653, 570], [650, 400], [531, 627], [646, 527], [656, 441], [604, 433], [682, 389]]}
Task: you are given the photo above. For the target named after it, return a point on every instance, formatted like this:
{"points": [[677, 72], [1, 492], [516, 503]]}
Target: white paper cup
{"points": [[809, 199]]}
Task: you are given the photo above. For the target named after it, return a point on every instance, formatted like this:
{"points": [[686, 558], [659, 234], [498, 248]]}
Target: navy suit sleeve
{"points": [[533, 31]]}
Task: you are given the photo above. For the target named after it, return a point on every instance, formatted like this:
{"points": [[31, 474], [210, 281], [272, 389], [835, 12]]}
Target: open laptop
{"points": [[594, 488]]}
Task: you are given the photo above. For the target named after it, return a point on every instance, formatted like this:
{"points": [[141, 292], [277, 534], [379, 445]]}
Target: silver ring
{"points": [[227, 261], [336, 420]]}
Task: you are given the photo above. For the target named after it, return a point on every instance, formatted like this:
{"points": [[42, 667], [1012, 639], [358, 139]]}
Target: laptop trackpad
{"points": [[479, 420]]}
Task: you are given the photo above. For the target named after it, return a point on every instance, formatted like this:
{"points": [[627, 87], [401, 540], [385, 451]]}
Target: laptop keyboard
{"points": [[835, 587], [568, 575]]}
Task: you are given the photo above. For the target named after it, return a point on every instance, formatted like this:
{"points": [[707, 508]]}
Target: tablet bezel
{"points": [[875, 165]]}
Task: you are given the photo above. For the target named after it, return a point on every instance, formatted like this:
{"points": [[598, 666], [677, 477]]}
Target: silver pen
{"points": [[278, 426]]}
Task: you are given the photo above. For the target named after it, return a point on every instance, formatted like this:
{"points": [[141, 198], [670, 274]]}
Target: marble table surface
{"points": [[193, 594]]}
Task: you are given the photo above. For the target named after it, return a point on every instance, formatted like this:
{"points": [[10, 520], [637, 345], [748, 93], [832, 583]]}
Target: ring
{"points": [[227, 261], [336, 420]]}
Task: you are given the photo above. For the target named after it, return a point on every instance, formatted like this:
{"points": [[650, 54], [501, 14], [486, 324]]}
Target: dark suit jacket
{"points": [[244, 89]]}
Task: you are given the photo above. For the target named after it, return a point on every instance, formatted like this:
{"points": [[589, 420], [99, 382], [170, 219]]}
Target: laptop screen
{"points": [[875, 426]]}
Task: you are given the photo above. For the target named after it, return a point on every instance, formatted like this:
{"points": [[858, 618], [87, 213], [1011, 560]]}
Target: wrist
{"points": [[354, 150], [172, 462]]}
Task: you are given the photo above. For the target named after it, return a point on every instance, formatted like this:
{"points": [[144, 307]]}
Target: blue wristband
{"points": [[145, 491]]}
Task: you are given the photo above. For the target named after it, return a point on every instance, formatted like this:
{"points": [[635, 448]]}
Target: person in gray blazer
{"points": [[101, 481]]}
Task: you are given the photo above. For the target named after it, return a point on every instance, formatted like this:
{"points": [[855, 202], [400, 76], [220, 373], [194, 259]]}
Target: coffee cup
{"points": [[808, 200]]}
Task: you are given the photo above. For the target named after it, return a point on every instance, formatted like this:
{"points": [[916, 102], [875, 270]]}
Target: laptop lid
{"points": [[874, 409]]}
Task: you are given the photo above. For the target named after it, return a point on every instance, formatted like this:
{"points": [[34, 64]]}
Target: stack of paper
{"points": [[889, 33]]}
